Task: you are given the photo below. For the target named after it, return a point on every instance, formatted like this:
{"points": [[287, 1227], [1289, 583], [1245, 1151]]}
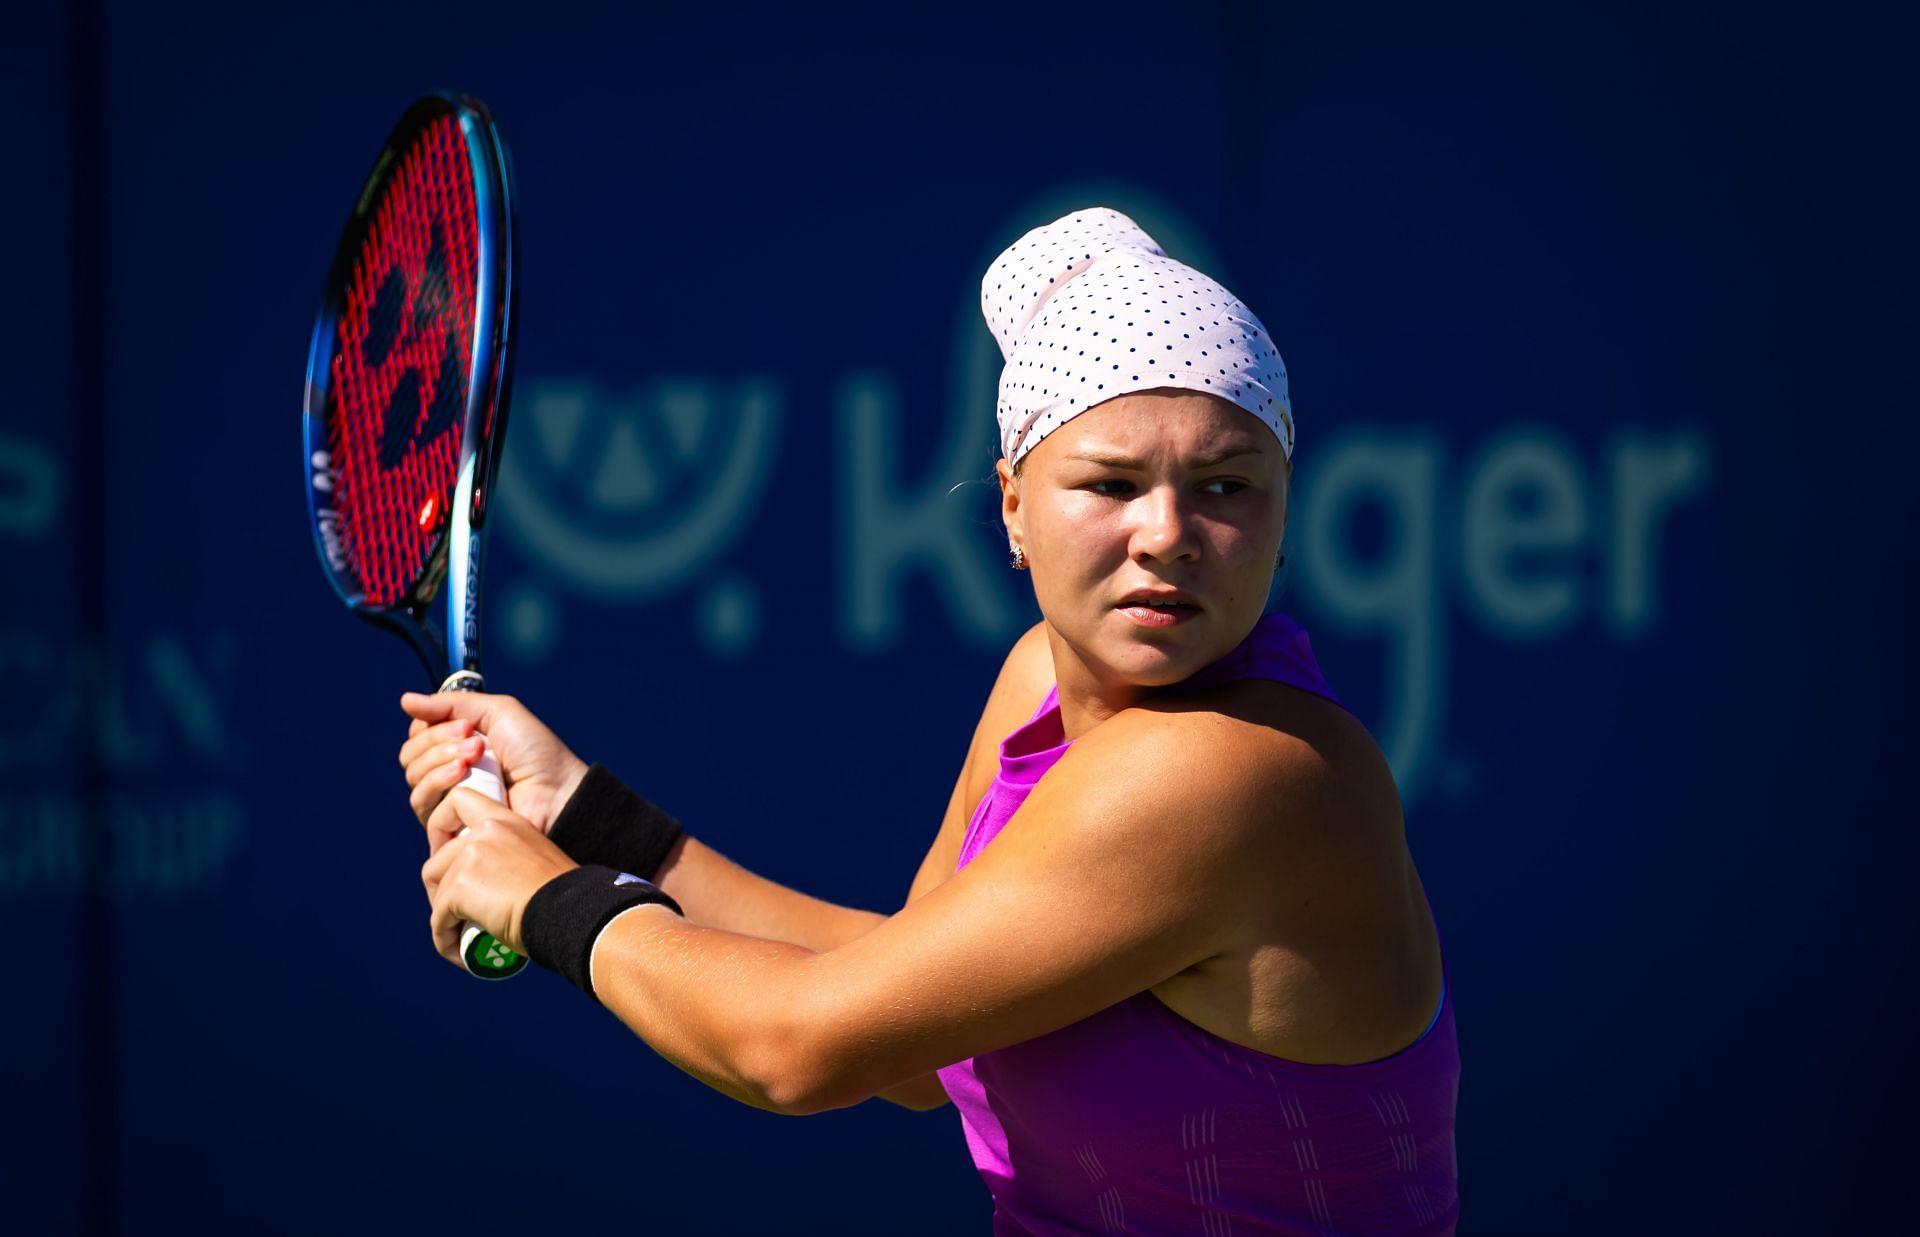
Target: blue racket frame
{"points": [[441, 625]]}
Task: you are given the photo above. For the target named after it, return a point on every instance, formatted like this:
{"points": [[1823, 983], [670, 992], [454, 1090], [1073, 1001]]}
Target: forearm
{"points": [[718, 893], [606, 822], [714, 1043], [730, 1010]]}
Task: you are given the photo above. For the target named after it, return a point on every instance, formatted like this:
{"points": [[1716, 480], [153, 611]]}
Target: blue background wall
{"points": [[1601, 326]]}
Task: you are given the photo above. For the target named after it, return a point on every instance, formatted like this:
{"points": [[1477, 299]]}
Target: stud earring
{"points": [[1017, 559], [1278, 563]]}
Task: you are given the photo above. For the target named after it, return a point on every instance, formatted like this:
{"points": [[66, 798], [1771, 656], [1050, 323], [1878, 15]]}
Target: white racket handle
{"points": [[485, 776], [485, 957]]}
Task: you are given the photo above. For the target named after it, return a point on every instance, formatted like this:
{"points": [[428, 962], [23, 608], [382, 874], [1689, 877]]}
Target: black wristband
{"points": [[565, 916], [607, 823]]}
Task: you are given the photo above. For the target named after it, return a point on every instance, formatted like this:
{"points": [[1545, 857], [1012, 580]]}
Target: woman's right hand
{"points": [[444, 742]]}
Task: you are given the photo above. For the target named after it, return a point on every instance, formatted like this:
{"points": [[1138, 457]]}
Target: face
{"points": [[1150, 523]]}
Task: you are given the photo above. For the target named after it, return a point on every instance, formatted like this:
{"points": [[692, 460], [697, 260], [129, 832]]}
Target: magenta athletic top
{"points": [[1135, 1120]]}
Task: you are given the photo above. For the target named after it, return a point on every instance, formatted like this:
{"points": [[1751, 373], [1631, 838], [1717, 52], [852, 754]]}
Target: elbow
{"points": [[796, 1083], [814, 1048], [793, 1070], [799, 1100], [805, 1061]]}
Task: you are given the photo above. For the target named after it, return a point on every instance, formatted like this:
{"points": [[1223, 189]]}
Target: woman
{"points": [[1168, 953]]}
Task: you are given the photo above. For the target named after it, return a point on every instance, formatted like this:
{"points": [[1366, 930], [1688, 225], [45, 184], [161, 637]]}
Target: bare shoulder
{"points": [[1332, 955], [1026, 675], [1320, 751], [1255, 755], [1253, 815]]}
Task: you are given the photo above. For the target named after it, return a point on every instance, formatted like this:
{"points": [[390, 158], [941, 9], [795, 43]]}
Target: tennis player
{"points": [[1168, 954]]}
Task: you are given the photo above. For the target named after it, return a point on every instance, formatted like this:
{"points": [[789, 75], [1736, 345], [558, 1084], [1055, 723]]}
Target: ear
{"points": [[1010, 514]]}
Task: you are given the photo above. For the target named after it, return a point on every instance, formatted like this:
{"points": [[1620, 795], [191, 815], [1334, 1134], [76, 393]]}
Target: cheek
{"points": [[1236, 543], [1077, 535], [1251, 532]]}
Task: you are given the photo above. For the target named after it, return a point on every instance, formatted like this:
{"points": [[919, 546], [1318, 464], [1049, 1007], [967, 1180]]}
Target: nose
{"points": [[1164, 528]]}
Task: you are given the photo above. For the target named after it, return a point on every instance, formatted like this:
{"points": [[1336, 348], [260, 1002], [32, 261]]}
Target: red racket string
{"points": [[398, 392]]}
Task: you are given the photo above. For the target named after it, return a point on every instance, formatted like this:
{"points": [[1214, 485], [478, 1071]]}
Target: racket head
{"points": [[408, 380]]}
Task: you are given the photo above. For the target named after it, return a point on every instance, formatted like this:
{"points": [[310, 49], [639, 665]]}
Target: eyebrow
{"points": [[1117, 460]]}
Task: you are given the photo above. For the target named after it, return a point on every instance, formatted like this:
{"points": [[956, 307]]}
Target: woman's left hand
{"points": [[487, 874]]}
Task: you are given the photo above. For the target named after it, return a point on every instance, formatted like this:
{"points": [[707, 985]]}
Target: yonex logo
{"points": [[404, 310]]}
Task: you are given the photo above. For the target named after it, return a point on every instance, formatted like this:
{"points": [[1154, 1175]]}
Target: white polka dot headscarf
{"points": [[1090, 307]]}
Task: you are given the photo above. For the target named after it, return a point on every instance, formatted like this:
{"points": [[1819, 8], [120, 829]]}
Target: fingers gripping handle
{"points": [[485, 957]]}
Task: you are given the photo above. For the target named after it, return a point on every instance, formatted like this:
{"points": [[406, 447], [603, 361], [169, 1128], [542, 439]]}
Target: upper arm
{"points": [[1117, 873], [1024, 678]]}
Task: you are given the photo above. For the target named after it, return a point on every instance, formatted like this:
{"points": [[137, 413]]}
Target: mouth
{"points": [[1158, 607]]}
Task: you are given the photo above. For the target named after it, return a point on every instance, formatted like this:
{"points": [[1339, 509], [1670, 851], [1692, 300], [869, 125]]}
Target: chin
{"points": [[1158, 663]]}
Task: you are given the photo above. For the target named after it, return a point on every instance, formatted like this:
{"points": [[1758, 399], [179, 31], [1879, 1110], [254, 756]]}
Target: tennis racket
{"points": [[406, 402]]}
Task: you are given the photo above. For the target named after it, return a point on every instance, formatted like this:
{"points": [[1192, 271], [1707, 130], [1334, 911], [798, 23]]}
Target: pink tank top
{"points": [[1135, 1120]]}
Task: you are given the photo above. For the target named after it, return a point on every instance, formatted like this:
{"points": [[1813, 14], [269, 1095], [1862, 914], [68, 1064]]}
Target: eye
{"points": [[1224, 485], [1113, 487]]}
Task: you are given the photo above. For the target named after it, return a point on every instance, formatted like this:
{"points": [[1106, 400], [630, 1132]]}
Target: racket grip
{"points": [[483, 955]]}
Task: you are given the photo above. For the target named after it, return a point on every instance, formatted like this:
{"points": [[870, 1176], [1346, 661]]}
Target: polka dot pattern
{"points": [[1090, 307]]}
